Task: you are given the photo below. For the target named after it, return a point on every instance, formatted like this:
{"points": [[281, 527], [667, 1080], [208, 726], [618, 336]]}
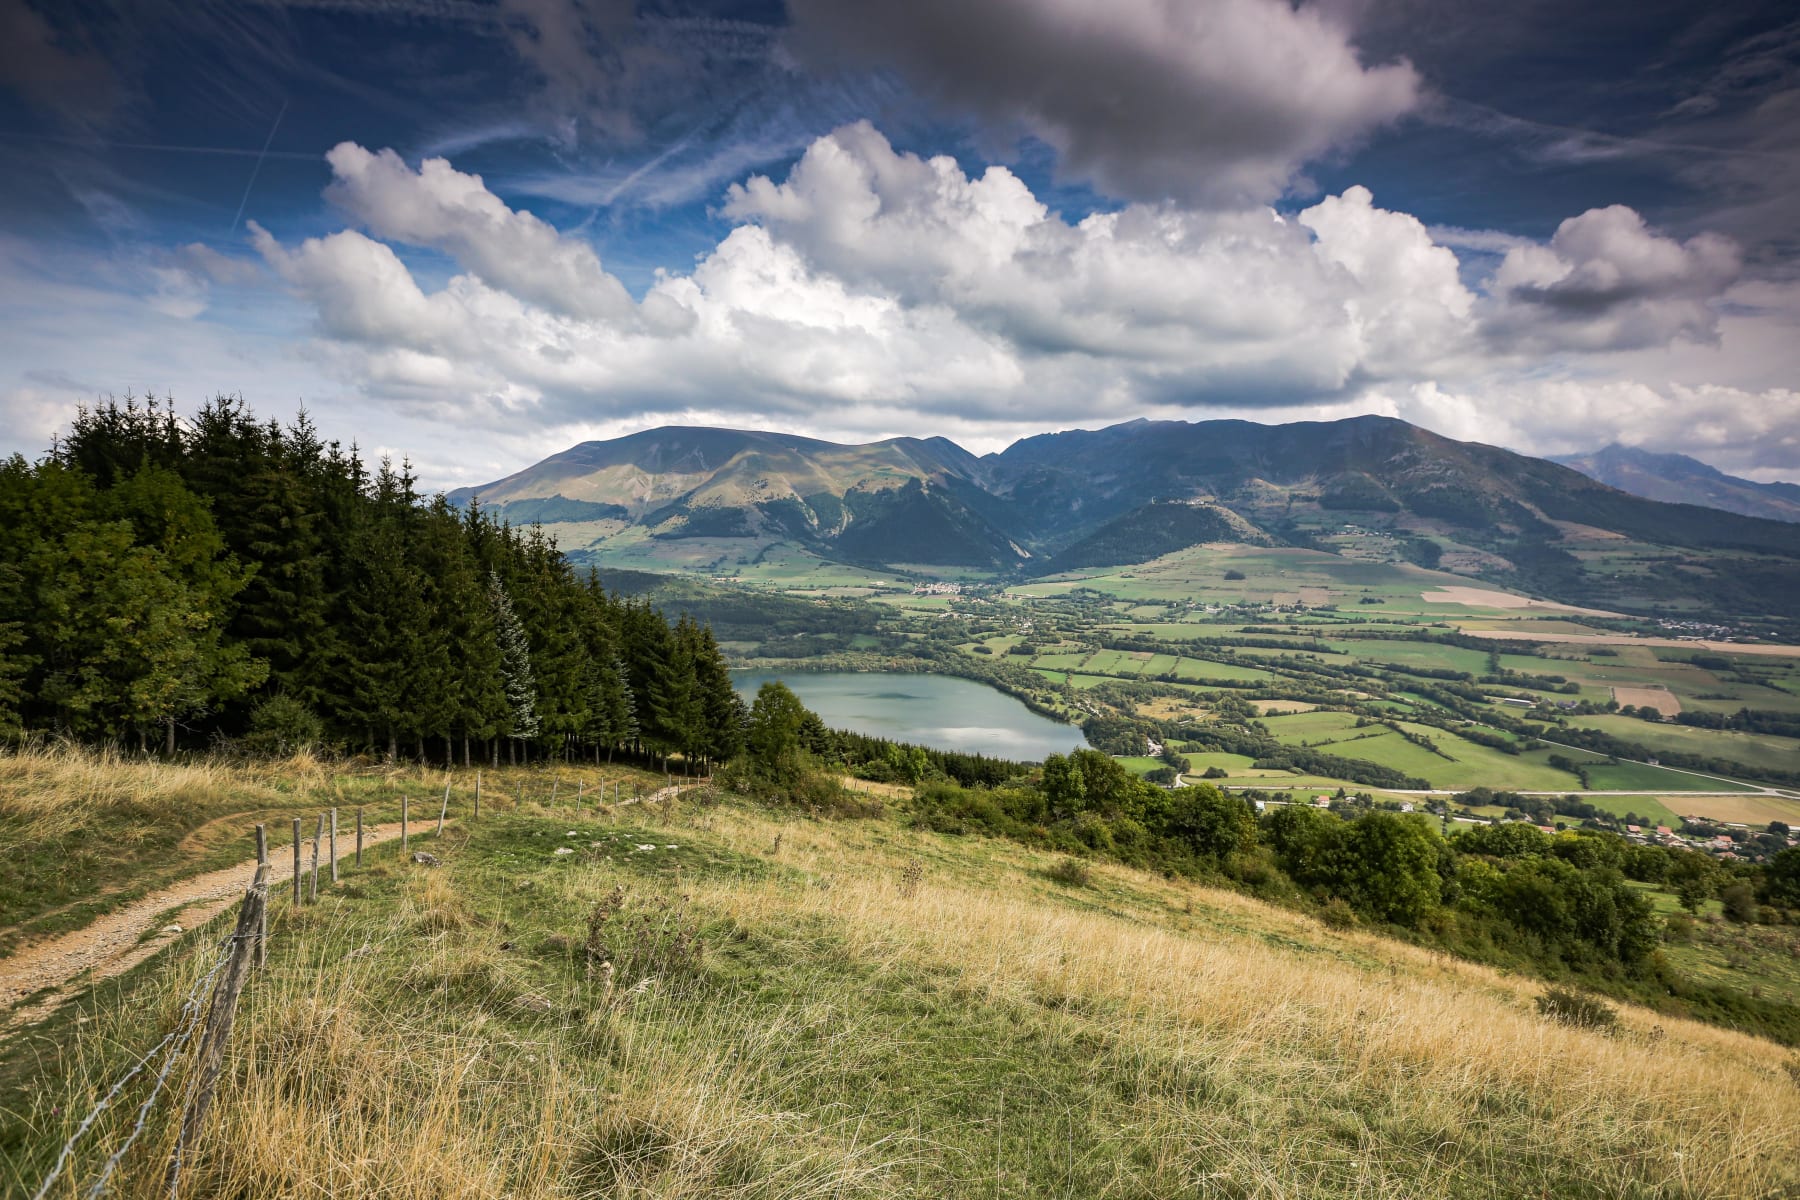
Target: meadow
{"points": [[797, 1007]]}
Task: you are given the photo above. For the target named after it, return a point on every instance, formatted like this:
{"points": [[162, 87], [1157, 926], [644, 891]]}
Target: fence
{"points": [[211, 1014]]}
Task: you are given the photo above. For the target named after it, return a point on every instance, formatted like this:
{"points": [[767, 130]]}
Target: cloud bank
{"points": [[871, 291]]}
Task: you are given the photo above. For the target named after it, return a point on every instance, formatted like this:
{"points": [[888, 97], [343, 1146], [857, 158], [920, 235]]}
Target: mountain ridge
{"points": [[708, 497], [1678, 478]]}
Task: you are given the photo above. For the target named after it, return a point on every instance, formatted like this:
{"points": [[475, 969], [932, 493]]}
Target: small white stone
{"points": [[564, 850], [171, 929], [642, 848]]}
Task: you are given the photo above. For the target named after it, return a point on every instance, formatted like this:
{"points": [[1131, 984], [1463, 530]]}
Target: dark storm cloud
{"points": [[1219, 103]]}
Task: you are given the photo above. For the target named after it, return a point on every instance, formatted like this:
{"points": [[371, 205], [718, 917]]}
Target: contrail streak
{"points": [[257, 169], [160, 147]]}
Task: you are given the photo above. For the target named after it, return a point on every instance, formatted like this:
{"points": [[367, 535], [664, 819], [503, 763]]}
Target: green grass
{"points": [[1751, 749], [1629, 776], [1461, 765], [1648, 807]]}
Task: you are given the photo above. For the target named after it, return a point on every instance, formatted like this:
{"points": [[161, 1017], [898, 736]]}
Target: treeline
{"points": [[1746, 720], [181, 581]]}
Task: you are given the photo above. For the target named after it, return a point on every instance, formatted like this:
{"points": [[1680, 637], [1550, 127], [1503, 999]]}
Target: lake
{"points": [[939, 711]]}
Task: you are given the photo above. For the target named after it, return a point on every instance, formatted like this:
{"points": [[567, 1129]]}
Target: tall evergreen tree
{"points": [[519, 680]]}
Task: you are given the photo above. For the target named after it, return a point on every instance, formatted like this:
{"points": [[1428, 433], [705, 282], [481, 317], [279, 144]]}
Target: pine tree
{"points": [[521, 721], [617, 723], [725, 712]]}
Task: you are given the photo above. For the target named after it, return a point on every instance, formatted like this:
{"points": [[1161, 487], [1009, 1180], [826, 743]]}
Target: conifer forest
{"points": [[184, 582]]}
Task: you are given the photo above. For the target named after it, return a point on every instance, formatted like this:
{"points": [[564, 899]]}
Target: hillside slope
{"points": [[858, 1008]]}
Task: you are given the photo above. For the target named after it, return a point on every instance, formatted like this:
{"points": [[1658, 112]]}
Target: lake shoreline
{"points": [[994, 675], [935, 709]]}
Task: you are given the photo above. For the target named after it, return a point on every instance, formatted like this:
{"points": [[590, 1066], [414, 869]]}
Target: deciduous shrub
{"points": [[1583, 1009]]}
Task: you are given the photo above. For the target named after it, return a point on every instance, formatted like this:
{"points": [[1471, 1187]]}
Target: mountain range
{"points": [[1682, 480], [708, 498]]}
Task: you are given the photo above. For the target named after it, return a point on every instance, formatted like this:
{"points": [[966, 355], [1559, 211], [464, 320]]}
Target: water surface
{"points": [[939, 711]]}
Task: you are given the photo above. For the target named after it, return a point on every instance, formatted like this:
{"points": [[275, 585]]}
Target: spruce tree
{"points": [[520, 683]]}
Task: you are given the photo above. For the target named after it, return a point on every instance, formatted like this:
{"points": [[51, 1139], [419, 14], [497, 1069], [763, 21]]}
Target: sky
{"points": [[474, 232]]}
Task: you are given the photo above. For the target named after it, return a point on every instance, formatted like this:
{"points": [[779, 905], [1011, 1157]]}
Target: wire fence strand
{"points": [[183, 1030]]}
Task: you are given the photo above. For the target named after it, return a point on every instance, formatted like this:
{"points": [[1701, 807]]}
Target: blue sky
{"points": [[476, 231]]}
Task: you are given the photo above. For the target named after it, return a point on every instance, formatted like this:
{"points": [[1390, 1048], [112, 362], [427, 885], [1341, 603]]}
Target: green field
{"points": [[1630, 776], [1751, 749]]}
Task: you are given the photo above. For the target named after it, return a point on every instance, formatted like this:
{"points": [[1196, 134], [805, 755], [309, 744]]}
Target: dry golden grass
{"points": [[1193, 1042], [1449, 1051], [59, 789]]}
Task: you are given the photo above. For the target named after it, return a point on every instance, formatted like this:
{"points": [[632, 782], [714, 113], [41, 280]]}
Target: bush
{"points": [[1570, 1007], [1071, 872], [281, 725], [1739, 902], [1336, 914]]}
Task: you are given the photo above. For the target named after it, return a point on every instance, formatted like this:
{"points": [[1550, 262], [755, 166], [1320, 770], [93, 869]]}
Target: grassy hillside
{"points": [[804, 1008]]}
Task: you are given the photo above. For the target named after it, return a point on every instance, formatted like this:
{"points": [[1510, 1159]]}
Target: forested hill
{"points": [[225, 577]]}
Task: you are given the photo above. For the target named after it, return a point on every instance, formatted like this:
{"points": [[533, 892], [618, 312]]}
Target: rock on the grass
{"points": [[424, 859], [171, 928], [564, 850]]}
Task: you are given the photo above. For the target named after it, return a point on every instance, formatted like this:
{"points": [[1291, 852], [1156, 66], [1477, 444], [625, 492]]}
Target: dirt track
{"points": [[111, 945], [115, 943]]}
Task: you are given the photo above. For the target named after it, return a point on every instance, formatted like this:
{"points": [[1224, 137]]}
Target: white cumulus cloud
{"points": [[871, 291], [1606, 281]]}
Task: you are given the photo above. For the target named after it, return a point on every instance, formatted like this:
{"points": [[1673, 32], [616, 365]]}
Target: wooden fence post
{"points": [[318, 836], [359, 835], [334, 874], [443, 808], [553, 784], [580, 787], [404, 839], [296, 862], [477, 795], [262, 922], [219, 1017]]}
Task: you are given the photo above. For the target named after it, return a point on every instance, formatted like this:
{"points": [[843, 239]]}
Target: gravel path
{"points": [[115, 943], [111, 946]]}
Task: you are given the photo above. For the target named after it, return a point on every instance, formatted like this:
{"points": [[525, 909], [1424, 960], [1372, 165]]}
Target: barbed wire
{"points": [[191, 1023], [183, 1030], [193, 1082]]}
